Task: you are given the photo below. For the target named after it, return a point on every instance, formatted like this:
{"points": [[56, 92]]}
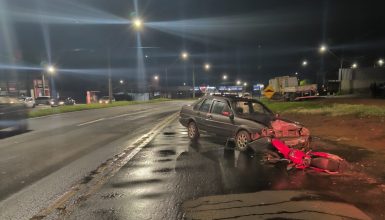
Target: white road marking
{"points": [[90, 122], [113, 117]]}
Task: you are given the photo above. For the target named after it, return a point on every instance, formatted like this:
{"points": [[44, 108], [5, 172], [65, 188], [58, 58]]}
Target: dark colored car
{"points": [[106, 100], [43, 100], [241, 120], [13, 114], [62, 101]]}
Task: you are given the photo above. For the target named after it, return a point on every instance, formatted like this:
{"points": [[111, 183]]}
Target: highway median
{"points": [[81, 107]]}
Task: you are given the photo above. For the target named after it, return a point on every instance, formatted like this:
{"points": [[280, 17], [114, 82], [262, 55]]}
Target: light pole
{"points": [[304, 63], [238, 82], [354, 65], [185, 56], [50, 69]]}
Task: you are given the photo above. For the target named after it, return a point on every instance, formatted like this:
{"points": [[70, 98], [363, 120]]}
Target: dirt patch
{"points": [[358, 101]]}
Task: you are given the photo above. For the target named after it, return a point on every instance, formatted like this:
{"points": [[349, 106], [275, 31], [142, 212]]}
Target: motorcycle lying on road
{"points": [[278, 151]]}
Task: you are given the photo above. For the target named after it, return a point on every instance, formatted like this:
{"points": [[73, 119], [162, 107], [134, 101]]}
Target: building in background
{"points": [[359, 81]]}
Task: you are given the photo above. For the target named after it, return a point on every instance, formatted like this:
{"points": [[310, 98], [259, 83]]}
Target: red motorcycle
{"points": [[318, 161]]}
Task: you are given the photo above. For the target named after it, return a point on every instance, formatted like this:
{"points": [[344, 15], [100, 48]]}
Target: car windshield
{"points": [[250, 107], [168, 109]]}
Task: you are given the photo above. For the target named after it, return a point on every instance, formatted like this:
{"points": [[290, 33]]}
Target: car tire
{"points": [[242, 139], [192, 131]]}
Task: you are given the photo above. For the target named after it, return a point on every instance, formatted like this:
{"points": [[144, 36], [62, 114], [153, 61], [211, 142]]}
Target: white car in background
{"points": [[28, 101]]}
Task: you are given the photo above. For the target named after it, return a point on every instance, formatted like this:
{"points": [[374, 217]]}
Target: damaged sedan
{"points": [[241, 120]]}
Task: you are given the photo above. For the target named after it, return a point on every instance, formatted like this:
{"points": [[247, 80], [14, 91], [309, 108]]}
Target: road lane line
{"points": [[90, 122]]}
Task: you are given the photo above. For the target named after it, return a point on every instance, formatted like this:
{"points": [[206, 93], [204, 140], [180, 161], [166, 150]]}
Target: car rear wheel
{"points": [[242, 139], [192, 130]]}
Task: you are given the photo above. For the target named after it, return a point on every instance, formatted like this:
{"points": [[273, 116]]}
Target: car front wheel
{"points": [[192, 131], [242, 140]]}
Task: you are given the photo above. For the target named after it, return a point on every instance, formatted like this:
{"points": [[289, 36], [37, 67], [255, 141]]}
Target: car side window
{"points": [[205, 107], [218, 107], [258, 108], [198, 104]]}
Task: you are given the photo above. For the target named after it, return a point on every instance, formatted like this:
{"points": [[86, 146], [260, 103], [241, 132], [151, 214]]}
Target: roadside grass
{"points": [[81, 107], [327, 109]]}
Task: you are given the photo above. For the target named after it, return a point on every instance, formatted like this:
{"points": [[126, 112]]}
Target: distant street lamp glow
{"points": [[354, 65], [207, 66], [296, 73], [323, 48], [156, 77], [304, 63], [51, 69], [184, 55], [184, 84], [224, 77], [380, 62], [238, 82], [121, 81], [245, 84], [138, 23]]}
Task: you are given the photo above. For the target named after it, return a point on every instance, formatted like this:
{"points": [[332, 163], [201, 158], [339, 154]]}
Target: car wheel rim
{"points": [[191, 131], [242, 140]]}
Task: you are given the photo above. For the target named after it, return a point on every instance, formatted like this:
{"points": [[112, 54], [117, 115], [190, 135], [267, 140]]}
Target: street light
{"points": [[156, 77], [51, 69], [323, 48], [238, 82], [304, 63], [121, 81], [138, 23], [354, 65], [245, 84], [224, 77], [184, 55], [207, 66], [380, 62], [296, 73]]}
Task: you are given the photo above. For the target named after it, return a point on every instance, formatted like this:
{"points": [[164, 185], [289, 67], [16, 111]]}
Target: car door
{"points": [[218, 121], [202, 113]]}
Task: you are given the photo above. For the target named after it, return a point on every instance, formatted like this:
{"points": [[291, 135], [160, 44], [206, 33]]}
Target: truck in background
{"points": [[288, 89]]}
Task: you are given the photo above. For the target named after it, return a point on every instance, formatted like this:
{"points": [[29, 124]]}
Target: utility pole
{"points": [[109, 75], [43, 84], [193, 79], [166, 71]]}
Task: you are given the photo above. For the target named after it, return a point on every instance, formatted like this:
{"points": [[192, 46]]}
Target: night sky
{"points": [[248, 40]]}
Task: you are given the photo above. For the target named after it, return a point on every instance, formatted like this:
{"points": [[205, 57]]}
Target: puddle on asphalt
{"points": [[163, 160], [151, 195], [163, 170], [169, 133], [166, 153], [135, 183]]}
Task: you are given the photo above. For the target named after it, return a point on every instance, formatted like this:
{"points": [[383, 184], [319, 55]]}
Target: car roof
{"points": [[231, 98]]}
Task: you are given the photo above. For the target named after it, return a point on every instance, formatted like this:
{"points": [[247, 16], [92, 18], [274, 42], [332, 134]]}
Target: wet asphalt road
{"points": [[171, 178], [39, 165]]}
